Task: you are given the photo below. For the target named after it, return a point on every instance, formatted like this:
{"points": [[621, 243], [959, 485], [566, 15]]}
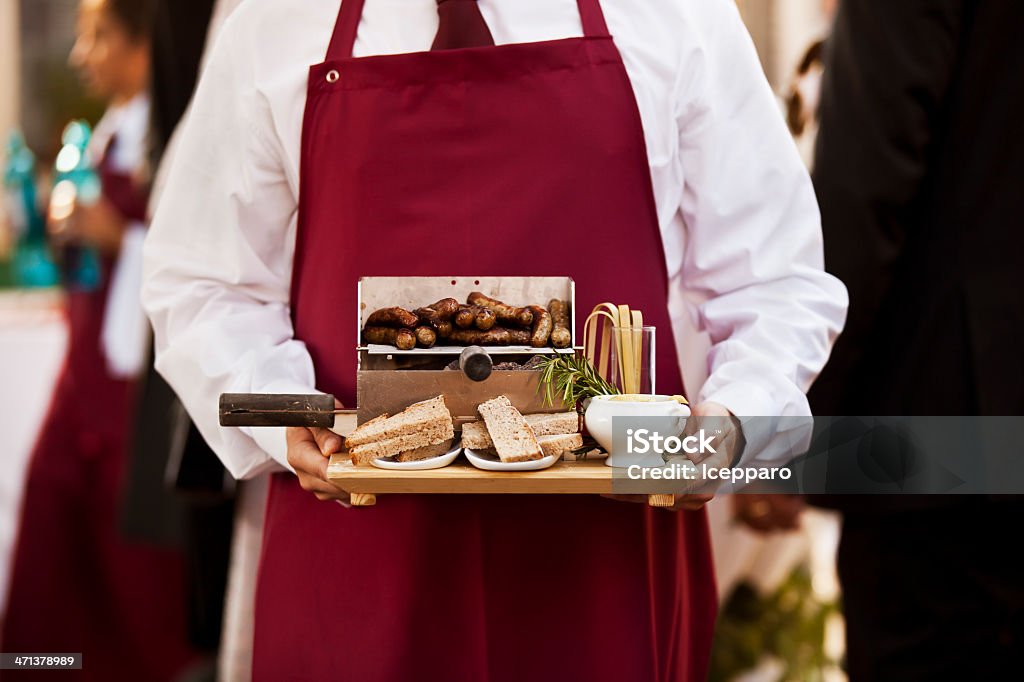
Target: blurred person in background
{"points": [[77, 585], [918, 170], [801, 100], [173, 470]]}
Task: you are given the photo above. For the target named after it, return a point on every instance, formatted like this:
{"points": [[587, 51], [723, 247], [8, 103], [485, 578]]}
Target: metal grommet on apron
{"points": [[333, 76]]}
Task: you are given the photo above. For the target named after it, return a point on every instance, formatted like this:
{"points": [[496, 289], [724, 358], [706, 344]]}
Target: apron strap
{"points": [[351, 12], [345, 30], [592, 17]]}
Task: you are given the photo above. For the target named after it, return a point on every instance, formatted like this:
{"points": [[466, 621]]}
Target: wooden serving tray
{"points": [[581, 477]]}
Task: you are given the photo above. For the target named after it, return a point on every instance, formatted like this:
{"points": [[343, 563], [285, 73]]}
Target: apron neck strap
{"points": [[351, 11], [592, 17], [345, 30]]}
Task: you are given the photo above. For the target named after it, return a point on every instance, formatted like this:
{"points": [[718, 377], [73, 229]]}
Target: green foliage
{"points": [[788, 624], [573, 378]]}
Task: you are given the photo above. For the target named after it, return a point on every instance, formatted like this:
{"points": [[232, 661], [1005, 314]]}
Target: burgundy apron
{"points": [[76, 584], [521, 159]]}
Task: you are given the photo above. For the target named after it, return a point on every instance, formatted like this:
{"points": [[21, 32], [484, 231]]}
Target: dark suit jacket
{"points": [[162, 435], [919, 171]]}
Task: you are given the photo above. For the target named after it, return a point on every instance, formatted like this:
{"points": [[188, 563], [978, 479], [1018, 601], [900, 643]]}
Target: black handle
{"points": [[276, 409], [475, 363]]}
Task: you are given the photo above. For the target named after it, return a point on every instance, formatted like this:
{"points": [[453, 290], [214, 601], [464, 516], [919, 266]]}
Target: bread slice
{"points": [[364, 433], [410, 420], [512, 436], [475, 436], [559, 446], [432, 434], [424, 424], [554, 424], [426, 452]]}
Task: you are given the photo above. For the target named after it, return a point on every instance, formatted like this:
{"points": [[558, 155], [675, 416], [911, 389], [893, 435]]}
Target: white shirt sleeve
{"points": [[753, 264], [218, 265]]}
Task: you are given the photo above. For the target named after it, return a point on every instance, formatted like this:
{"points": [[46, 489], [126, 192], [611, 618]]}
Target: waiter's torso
{"points": [[655, 38], [526, 159]]}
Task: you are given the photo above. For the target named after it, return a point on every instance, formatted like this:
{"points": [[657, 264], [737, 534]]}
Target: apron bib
{"points": [[524, 159]]}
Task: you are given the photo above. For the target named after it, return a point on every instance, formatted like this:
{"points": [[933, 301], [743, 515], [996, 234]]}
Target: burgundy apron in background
{"points": [[76, 584], [523, 159]]}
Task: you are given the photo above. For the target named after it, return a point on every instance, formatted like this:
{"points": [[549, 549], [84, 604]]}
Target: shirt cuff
{"points": [[271, 439], [755, 409]]}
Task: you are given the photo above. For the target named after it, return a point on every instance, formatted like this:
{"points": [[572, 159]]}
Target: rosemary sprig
{"points": [[573, 378]]}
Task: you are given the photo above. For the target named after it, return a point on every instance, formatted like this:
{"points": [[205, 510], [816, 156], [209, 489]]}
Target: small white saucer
{"points": [[492, 463], [420, 464]]}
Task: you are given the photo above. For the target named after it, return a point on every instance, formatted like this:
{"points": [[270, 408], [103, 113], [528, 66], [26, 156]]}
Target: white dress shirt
{"points": [[737, 212]]}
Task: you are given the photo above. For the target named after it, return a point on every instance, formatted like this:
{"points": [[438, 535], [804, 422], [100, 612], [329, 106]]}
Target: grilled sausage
{"points": [[428, 316], [444, 330], [436, 313], [425, 336], [541, 326], [445, 308], [498, 336], [561, 336], [506, 314], [475, 315], [485, 318], [402, 339], [392, 317], [465, 316]]}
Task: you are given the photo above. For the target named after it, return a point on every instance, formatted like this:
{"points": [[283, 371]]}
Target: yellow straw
{"points": [[638, 335]]}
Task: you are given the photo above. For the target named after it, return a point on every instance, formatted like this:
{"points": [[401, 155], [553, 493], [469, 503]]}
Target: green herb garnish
{"points": [[573, 378]]}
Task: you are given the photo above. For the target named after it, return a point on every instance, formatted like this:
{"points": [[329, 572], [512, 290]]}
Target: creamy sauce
{"points": [[641, 398], [634, 398]]}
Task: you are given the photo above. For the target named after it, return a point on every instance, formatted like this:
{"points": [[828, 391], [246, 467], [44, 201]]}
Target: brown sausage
{"points": [[392, 317], [425, 336], [485, 318], [475, 315], [444, 330], [465, 316], [541, 326], [439, 312], [498, 336], [506, 314], [402, 339], [561, 336], [445, 308], [428, 316]]}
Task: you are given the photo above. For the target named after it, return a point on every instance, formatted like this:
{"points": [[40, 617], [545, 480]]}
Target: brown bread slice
{"points": [[475, 436], [550, 445], [410, 420], [512, 436], [554, 424], [433, 433], [560, 444], [426, 452], [365, 431]]}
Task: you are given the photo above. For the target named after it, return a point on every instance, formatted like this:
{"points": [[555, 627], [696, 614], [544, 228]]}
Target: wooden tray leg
{"points": [[362, 499], [660, 500]]}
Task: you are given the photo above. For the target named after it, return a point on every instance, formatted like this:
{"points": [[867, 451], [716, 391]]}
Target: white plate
{"points": [[420, 464], [492, 463]]}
